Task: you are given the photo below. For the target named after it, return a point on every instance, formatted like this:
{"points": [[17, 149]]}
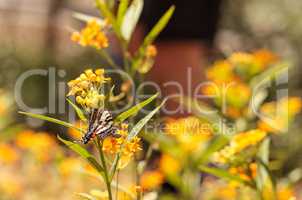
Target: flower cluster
{"points": [[239, 143], [278, 115], [38, 143], [246, 173], [92, 35], [112, 145], [147, 60], [8, 154], [229, 79], [190, 132], [86, 88]]}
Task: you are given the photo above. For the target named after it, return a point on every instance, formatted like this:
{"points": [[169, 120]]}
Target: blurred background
{"points": [[35, 34]]}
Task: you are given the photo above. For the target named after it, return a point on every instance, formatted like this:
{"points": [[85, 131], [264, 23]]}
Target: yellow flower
{"points": [[92, 35], [265, 57], [285, 193], [40, 144], [221, 72], [246, 173], [8, 155], [280, 114], [169, 165], [241, 58], [68, 166], [190, 132], [238, 95], [151, 180], [235, 94], [151, 51], [86, 88], [239, 143], [227, 192], [112, 145], [246, 65]]}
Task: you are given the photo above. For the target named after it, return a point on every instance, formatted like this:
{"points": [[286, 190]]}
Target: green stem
{"points": [[102, 157], [108, 59]]}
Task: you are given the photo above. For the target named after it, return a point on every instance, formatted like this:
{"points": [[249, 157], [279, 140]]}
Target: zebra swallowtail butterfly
{"points": [[100, 124]]}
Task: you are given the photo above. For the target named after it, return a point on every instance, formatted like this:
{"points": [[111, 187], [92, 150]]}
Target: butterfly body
{"points": [[100, 124]]}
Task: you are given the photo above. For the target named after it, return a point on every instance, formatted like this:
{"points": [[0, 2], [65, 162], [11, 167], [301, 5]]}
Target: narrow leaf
{"points": [[79, 112], [220, 173], [122, 8], [131, 18], [83, 153], [218, 143], [53, 120], [134, 110], [138, 127], [161, 24]]}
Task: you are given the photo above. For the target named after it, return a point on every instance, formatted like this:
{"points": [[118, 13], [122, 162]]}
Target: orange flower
{"points": [[91, 35], [169, 165], [8, 154], [151, 180]]}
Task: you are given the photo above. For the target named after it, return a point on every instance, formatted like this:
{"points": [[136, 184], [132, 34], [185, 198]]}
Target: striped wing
{"points": [[101, 124]]}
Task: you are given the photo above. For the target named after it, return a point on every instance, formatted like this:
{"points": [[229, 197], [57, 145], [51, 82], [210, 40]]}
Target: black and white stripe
{"points": [[101, 124]]}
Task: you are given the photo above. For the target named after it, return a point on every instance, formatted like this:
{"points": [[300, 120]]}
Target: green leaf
{"points": [[53, 120], [122, 8], [166, 144], [220, 173], [79, 112], [134, 110], [131, 18], [160, 25], [264, 180], [138, 127], [83, 153], [218, 143], [134, 131]]}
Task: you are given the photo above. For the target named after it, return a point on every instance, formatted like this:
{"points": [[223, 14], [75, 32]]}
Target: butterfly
{"points": [[100, 124]]}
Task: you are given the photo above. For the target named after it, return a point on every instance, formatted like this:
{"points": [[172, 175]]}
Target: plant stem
{"points": [[102, 157], [108, 59]]}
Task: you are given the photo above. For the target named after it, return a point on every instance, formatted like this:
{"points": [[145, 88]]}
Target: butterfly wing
{"points": [[101, 124]]}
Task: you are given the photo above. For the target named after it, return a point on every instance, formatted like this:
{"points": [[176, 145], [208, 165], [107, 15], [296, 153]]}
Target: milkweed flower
{"points": [[86, 88], [285, 193], [221, 72], [68, 166], [151, 180], [151, 51], [147, 61], [169, 165], [189, 132], [278, 115], [38, 143], [112, 145], [92, 35], [8, 154], [239, 143], [247, 172]]}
